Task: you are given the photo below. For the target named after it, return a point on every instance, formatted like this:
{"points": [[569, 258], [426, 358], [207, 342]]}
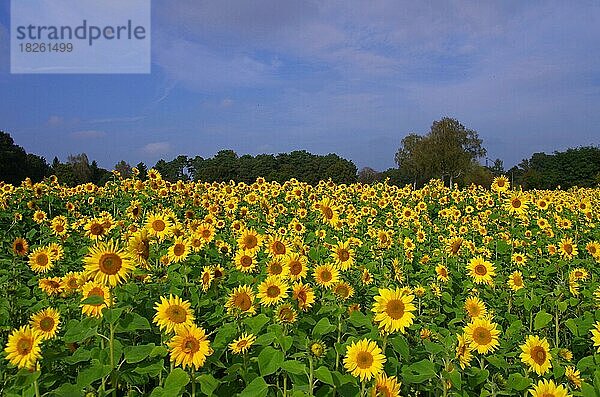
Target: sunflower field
{"points": [[153, 288]]}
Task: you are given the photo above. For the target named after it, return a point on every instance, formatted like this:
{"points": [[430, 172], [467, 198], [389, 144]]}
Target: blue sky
{"points": [[341, 76]]}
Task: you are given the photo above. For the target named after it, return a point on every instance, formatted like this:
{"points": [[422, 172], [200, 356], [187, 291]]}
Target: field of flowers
{"points": [[157, 288]]}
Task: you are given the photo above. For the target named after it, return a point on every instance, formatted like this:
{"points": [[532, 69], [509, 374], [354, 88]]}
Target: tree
{"points": [[368, 175], [143, 175], [16, 164], [448, 150], [81, 167], [124, 169]]}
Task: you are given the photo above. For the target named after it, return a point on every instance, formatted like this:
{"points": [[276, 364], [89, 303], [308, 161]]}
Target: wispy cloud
{"points": [[55, 120], [88, 134], [111, 120], [156, 148]]}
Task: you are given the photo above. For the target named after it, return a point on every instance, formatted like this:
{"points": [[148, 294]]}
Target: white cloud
{"points": [[156, 148], [227, 102], [88, 134], [55, 120]]}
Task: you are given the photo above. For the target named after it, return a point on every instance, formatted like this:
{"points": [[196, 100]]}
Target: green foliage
{"points": [[16, 164]]}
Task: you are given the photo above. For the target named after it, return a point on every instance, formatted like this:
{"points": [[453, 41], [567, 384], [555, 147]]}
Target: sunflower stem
{"points": [[310, 375], [193, 379], [556, 322], [111, 345]]}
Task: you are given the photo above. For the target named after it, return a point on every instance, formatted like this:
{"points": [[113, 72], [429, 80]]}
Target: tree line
{"points": [[448, 151]]}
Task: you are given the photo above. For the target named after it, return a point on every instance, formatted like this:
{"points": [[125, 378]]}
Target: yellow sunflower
{"points": [[158, 225], [276, 267], [500, 184], [189, 347], [297, 265], [596, 335], [482, 335], [242, 344], [343, 255], [547, 388], [364, 359], [574, 376], [20, 246], [515, 281], [51, 285], [272, 291], [329, 211], [245, 261], [173, 313], [326, 275], [475, 307], [206, 277], [23, 347], [241, 301], [90, 289], [536, 354], [250, 240], [304, 295], [442, 273], [567, 249], [108, 264], [386, 386], [46, 323], [286, 314], [343, 290], [40, 260], [393, 310], [463, 351], [138, 247], [517, 204], [481, 270], [179, 251]]}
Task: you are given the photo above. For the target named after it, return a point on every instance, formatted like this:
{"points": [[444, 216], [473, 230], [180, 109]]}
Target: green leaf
{"points": [[401, 346], [269, 360], [93, 300], [77, 331], [68, 390], [518, 382], [293, 367], [324, 375], [257, 388], [113, 314], [152, 369], [433, 347], [285, 342], [135, 354], [323, 327], [257, 323], [224, 335], [25, 378], [572, 325], [132, 322], [358, 319], [541, 320], [208, 383], [454, 378], [89, 375], [176, 381]]}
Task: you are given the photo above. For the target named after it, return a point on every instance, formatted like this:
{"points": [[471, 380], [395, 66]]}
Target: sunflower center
{"points": [[46, 324], [246, 261], [538, 354], [96, 229], [24, 346], [205, 233], [500, 183], [273, 291], [295, 268], [517, 280], [96, 291], [59, 228], [286, 314], [53, 284], [110, 263], [41, 260], [179, 249], [568, 248], [364, 360], [343, 254], [279, 248], [176, 314], [159, 225], [327, 212], [241, 344], [301, 296], [191, 345], [395, 309], [342, 291], [482, 336], [250, 241], [326, 275], [242, 301], [455, 246], [276, 268], [516, 203], [19, 247], [480, 270], [473, 310]]}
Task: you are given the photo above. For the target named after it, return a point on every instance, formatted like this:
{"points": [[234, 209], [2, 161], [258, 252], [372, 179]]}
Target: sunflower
{"points": [[364, 359], [51, 285], [573, 375], [463, 351], [173, 313], [304, 295], [245, 261], [482, 335], [20, 246], [386, 386], [95, 229], [329, 212], [596, 335], [318, 349], [518, 259], [536, 354], [206, 277], [393, 310], [242, 344], [241, 301], [454, 245], [40, 260], [343, 290], [500, 184], [59, 225], [547, 388], [108, 264], [442, 273], [275, 267], [134, 211], [70, 282], [343, 255], [90, 289], [189, 347], [326, 275], [23, 347], [272, 291], [205, 231], [297, 265], [249, 240], [517, 204], [158, 225], [567, 249], [481, 270], [46, 323], [286, 314], [218, 272], [179, 251], [138, 247], [515, 281], [56, 252], [579, 274], [475, 307], [39, 216]]}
